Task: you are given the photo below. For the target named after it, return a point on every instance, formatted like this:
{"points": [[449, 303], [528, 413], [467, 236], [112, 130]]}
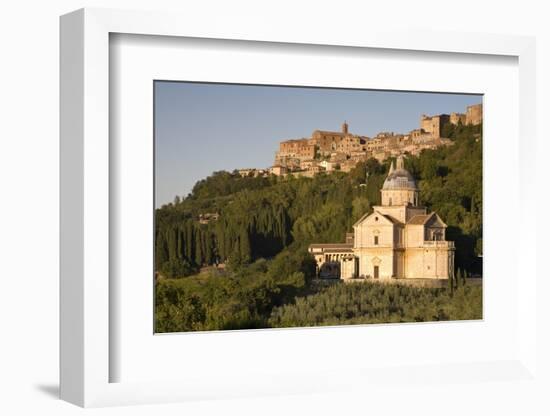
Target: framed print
{"points": [[285, 213]]}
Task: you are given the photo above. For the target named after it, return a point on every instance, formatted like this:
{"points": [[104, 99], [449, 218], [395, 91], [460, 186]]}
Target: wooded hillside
{"points": [[259, 217]]}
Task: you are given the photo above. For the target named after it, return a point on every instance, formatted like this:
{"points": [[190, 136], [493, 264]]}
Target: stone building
{"points": [[349, 144], [246, 172], [207, 217], [299, 149], [328, 142], [398, 240], [455, 118], [252, 172], [433, 124], [278, 170], [328, 166], [307, 163], [474, 114]]}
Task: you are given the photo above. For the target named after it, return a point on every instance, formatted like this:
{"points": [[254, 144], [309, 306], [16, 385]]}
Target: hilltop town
{"points": [[329, 151]]}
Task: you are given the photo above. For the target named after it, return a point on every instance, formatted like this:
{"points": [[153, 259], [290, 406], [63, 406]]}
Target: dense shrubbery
{"points": [[241, 297], [177, 267], [255, 297], [368, 303]]}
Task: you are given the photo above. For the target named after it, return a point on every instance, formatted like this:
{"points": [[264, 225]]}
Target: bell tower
{"points": [[345, 127]]}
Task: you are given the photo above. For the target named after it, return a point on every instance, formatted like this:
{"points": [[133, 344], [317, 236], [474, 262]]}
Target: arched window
{"points": [[390, 201]]}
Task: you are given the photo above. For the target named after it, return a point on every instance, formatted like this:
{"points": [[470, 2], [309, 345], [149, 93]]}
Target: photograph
{"points": [[287, 206]]}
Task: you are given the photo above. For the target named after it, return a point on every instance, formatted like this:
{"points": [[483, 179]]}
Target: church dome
{"points": [[399, 178]]}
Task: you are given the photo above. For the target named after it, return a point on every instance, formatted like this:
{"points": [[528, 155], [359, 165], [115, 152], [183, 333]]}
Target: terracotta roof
{"points": [[390, 218], [438, 219], [419, 219], [295, 141], [343, 247], [332, 133]]}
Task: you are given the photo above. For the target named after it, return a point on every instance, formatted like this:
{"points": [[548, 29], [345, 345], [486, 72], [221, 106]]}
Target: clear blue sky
{"points": [[201, 128]]}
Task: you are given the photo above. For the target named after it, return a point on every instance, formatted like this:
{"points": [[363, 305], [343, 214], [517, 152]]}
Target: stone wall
{"points": [[399, 197], [433, 124], [456, 117], [414, 235], [300, 149], [366, 231], [427, 263], [474, 114], [370, 258]]}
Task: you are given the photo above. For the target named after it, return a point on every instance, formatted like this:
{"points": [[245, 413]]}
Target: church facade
{"points": [[398, 240]]}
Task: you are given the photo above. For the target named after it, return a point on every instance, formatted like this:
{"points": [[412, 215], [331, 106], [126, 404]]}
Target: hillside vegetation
{"points": [[266, 224]]}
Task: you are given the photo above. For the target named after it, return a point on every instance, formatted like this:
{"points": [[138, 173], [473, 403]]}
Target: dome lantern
{"points": [[400, 186], [399, 178]]}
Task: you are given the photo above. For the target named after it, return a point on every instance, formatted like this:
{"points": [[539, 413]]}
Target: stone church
{"points": [[398, 240]]}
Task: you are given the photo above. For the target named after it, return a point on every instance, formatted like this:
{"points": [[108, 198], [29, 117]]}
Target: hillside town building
{"points": [[433, 124], [330, 151], [474, 114], [399, 239]]}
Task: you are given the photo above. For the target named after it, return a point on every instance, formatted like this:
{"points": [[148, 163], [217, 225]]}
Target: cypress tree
{"points": [[244, 247], [161, 251], [199, 260]]}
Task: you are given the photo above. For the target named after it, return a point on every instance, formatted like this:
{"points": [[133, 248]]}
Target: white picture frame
{"points": [[85, 346]]}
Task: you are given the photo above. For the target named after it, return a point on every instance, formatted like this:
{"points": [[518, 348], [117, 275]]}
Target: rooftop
{"points": [[419, 219], [390, 218], [333, 247], [399, 177]]}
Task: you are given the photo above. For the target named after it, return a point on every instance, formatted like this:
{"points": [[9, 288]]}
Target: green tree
{"points": [[360, 206], [176, 268]]}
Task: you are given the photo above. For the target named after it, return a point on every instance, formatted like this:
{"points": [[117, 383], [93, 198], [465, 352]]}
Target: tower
{"points": [[399, 187], [345, 128]]}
